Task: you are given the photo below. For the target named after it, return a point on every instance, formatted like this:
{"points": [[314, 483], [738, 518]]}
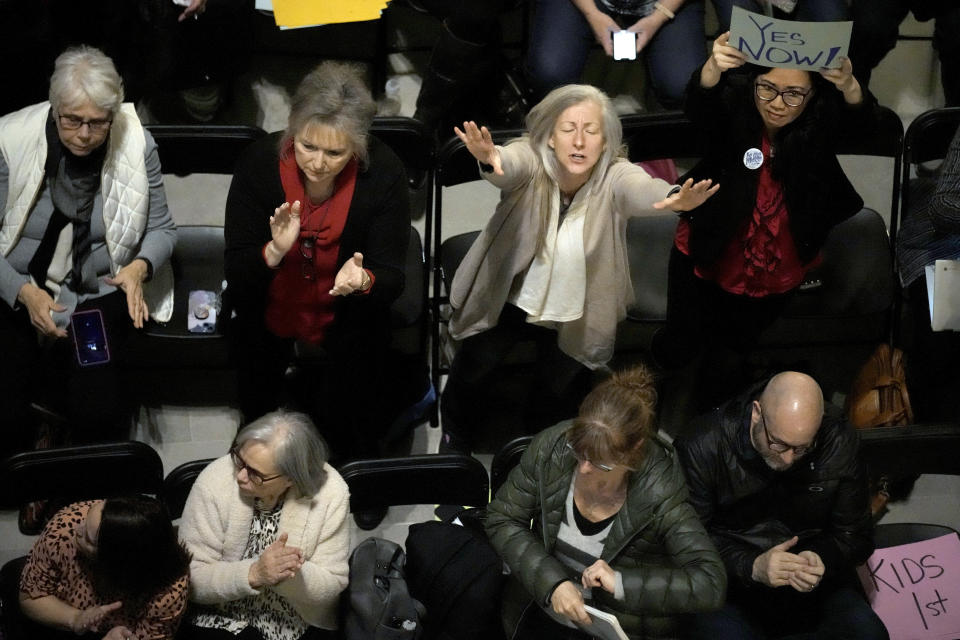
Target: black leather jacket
{"points": [[748, 508]]}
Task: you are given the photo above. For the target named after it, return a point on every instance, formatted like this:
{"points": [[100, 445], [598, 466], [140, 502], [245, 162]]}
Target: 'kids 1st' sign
{"points": [[770, 42], [915, 588]]}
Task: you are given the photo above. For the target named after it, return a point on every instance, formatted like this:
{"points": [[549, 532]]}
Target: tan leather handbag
{"points": [[878, 397]]}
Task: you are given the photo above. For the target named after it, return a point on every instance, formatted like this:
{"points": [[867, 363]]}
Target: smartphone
{"points": [[624, 45], [90, 338]]}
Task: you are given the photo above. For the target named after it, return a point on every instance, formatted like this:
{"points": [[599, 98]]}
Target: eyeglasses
{"points": [[791, 97], [307, 270], [581, 459], [255, 476], [779, 446], [72, 123]]}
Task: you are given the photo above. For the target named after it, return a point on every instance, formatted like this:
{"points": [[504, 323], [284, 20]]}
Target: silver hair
{"points": [[543, 118], [298, 449], [334, 94], [85, 75]]}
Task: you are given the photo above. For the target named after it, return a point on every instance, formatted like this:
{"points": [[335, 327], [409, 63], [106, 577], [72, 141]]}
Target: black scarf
{"points": [[74, 182]]}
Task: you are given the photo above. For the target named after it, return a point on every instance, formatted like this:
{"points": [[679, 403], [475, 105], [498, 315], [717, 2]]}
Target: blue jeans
{"points": [[561, 39], [840, 613], [806, 11]]}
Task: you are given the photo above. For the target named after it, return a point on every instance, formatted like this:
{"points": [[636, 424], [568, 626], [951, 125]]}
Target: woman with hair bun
{"points": [[611, 525]]}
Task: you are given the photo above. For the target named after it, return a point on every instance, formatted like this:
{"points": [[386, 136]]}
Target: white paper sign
{"points": [[770, 42], [943, 289]]}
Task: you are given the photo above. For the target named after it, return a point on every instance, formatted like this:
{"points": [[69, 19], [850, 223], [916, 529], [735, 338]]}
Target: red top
{"points": [[761, 258], [299, 304]]}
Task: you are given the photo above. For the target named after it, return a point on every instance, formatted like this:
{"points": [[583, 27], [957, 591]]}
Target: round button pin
{"points": [[753, 158]]}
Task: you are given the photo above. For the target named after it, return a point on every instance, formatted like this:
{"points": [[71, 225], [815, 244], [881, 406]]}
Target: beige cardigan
{"points": [[506, 248], [216, 524]]}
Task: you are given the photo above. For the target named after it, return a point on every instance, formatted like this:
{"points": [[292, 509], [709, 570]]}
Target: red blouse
{"points": [[299, 304], [761, 258]]}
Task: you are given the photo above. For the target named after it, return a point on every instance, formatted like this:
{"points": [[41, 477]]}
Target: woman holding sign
{"points": [[739, 257]]}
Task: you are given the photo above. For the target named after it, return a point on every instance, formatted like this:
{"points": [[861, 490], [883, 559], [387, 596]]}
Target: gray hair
{"points": [[85, 75], [298, 449], [543, 118], [336, 95]]}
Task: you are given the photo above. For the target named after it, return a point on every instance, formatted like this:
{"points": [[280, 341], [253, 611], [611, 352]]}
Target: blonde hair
{"points": [[540, 125], [334, 94]]}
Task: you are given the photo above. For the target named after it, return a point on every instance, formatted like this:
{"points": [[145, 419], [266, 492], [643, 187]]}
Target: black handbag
{"points": [[377, 604]]}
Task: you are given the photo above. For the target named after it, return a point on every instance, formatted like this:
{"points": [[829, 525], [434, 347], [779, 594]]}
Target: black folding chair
{"points": [[505, 460], [179, 482], [422, 479]]}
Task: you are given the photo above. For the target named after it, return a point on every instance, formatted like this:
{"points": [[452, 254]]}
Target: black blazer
{"points": [[817, 192]]}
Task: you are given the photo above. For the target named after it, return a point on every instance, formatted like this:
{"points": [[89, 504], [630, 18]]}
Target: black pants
{"points": [[560, 382], [704, 320], [341, 384], [876, 24], [95, 399]]}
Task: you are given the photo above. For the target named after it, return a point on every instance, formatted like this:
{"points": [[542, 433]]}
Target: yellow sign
{"points": [[305, 13]]}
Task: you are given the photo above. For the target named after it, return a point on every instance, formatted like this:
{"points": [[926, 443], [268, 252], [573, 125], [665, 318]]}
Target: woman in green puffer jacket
{"points": [[596, 514]]}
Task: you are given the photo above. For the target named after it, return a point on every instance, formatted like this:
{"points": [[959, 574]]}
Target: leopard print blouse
{"points": [[56, 567]]}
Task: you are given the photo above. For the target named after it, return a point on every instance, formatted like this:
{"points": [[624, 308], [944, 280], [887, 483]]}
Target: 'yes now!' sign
{"points": [[915, 588], [770, 42]]}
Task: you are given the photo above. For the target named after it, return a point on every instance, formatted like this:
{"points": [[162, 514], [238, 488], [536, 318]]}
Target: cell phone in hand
{"points": [[624, 45], [90, 338]]}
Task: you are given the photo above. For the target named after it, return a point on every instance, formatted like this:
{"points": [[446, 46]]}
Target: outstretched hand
{"points": [[689, 197], [480, 144]]}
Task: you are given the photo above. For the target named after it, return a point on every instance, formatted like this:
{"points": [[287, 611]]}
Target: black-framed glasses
{"points": [[307, 269], [255, 476], [791, 97], [778, 446], [598, 465], [72, 123]]}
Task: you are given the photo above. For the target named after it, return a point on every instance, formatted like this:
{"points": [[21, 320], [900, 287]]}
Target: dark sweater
{"points": [[377, 226]]}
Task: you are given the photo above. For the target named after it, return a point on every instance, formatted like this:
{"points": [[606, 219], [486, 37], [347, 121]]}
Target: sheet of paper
{"points": [[263, 5], [770, 42], [946, 296], [928, 273], [915, 588], [302, 13], [605, 625]]}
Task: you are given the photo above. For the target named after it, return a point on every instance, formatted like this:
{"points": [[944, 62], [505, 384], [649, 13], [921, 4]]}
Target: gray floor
{"points": [[907, 81]]}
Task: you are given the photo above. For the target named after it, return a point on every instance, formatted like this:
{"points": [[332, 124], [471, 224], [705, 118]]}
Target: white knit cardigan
{"points": [[216, 524]]}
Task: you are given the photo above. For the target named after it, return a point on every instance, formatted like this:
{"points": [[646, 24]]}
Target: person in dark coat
{"points": [[611, 526], [783, 494]]}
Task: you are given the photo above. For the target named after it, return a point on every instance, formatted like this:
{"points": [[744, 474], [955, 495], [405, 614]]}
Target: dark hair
{"points": [[138, 553], [615, 417], [798, 142]]}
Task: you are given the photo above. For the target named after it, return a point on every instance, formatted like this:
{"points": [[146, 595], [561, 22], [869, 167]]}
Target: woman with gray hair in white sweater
{"points": [[267, 528]]}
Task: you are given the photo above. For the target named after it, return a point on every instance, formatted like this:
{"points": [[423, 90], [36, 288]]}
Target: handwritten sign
{"points": [[770, 42], [915, 588]]}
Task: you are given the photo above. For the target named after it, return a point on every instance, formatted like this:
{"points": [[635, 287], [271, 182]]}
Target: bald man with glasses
{"points": [[782, 492]]}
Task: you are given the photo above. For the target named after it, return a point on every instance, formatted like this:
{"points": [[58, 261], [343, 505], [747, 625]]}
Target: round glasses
{"points": [[778, 446], [769, 93], [72, 123], [255, 476]]}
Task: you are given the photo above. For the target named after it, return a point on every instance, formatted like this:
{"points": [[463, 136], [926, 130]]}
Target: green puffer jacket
{"points": [[668, 563]]}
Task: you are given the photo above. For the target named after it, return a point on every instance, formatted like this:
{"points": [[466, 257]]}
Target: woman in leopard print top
{"points": [[110, 569]]}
